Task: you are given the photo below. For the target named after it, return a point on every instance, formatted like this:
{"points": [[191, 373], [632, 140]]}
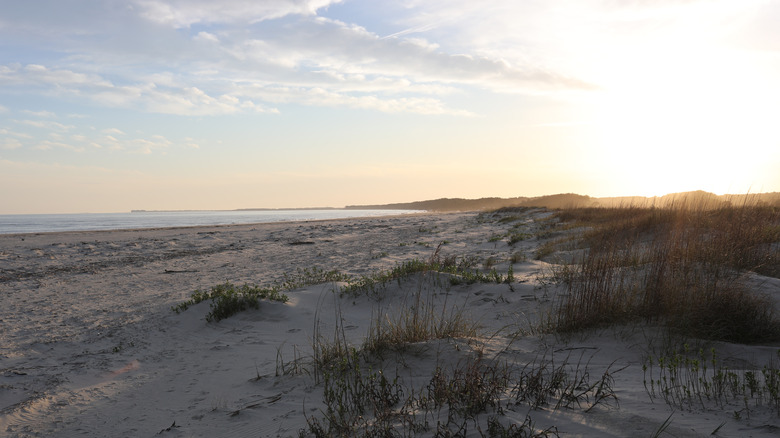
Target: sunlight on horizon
{"points": [[674, 124]]}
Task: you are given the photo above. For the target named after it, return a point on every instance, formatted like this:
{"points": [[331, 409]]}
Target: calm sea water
{"points": [[38, 223]]}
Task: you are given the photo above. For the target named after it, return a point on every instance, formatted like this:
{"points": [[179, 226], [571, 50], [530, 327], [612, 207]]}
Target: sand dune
{"points": [[90, 346]]}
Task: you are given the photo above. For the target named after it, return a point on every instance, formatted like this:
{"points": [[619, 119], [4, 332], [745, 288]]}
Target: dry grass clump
{"points": [[680, 266], [420, 323], [421, 318]]}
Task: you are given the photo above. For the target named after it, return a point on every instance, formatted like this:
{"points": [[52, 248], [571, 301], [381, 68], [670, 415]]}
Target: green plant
{"points": [[541, 383], [517, 257], [353, 396], [310, 276], [291, 368], [459, 270], [525, 430], [496, 238], [228, 299], [516, 236], [665, 425], [362, 401], [509, 219], [699, 378]]}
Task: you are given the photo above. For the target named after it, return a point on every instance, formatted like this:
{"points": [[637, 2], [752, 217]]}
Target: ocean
{"points": [[44, 223]]}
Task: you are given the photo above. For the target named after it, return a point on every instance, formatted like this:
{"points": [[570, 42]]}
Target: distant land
{"points": [[697, 198], [570, 200], [240, 209]]}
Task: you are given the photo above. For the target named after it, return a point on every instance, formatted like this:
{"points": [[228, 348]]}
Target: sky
{"points": [[108, 106]]}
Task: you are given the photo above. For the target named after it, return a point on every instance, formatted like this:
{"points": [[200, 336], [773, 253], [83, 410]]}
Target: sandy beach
{"points": [[91, 347]]}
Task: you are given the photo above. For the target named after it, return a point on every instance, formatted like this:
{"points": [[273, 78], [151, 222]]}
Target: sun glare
{"points": [[686, 120]]}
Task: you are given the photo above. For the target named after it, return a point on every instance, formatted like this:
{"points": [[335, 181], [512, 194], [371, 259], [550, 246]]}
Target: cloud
{"points": [[46, 124], [185, 13], [322, 97], [190, 101], [16, 74], [46, 145], [147, 146], [206, 36], [7, 143], [148, 96], [44, 114], [47, 135], [8, 132], [166, 63], [138, 145], [339, 49]]}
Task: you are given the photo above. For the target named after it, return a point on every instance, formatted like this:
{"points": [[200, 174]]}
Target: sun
{"points": [[679, 124]]}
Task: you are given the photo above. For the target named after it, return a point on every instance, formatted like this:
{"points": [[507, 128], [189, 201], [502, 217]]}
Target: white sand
{"points": [[90, 346]]}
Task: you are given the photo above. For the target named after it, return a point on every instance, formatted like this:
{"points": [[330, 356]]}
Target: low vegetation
{"points": [[683, 267], [228, 299], [471, 396], [459, 271], [698, 379], [468, 392]]}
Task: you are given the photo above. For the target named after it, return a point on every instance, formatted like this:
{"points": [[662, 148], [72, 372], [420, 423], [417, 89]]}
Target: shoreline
{"points": [[42, 242], [260, 222]]}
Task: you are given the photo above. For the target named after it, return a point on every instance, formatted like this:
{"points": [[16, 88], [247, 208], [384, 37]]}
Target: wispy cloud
{"points": [[174, 66], [185, 13], [46, 145], [7, 143], [317, 96], [36, 74], [147, 96], [43, 114], [45, 124], [48, 135]]}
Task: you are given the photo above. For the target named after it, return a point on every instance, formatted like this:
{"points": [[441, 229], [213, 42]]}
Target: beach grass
{"points": [[473, 394], [228, 299], [466, 392], [691, 378], [685, 268]]}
